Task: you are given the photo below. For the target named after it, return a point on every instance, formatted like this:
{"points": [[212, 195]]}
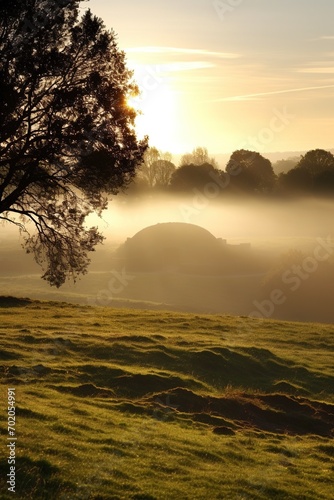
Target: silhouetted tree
{"points": [[146, 172], [164, 170], [250, 172], [324, 183], [199, 156], [314, 173], [190, 177], [296, 181], [316, 162], [283, 166], [66, 134], [156, 168]]}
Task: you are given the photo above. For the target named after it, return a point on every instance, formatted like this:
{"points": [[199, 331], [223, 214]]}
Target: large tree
{"points": [[67, 137], [199, 156], [189, 177], [156, 169], [316, 162], [250, 172], [164, 170], [146, 172], [313, 173]]}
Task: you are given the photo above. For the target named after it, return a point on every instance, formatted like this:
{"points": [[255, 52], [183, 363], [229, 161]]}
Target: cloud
{"points": [[324, 37], [248, 97], [186, 66], [161, 70], [174, 59], [182, 51], [323, 70]]}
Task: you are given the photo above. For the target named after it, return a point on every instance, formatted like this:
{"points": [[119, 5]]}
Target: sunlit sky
{"points": [[230, 74]]}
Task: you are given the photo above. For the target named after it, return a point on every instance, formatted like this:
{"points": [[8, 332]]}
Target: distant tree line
{"points": [[246, 173]]}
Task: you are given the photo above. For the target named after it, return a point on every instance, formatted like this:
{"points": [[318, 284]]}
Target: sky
{"points": [[229, 74]]}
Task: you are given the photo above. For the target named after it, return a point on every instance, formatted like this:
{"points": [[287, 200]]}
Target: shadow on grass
{"points": [[275, 413], [249, 367], [35, 480], [8, 301]]}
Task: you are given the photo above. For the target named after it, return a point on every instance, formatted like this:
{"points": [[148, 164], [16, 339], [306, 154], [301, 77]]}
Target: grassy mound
{"points": [[125, 404]]}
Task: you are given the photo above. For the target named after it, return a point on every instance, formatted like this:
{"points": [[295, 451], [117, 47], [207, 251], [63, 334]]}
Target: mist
{"points": [[266, 222], [279, 274]]}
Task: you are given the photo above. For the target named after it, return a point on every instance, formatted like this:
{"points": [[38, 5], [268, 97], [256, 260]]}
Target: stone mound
{"points": [[172, 246]]}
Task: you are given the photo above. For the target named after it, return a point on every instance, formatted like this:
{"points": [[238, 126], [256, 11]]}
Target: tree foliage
{"points": [[190, 177], [316, 162], [156, 169], [67, 139], [250, 172], [164, 170], [199, 156], [314, 173], [283, 166]]}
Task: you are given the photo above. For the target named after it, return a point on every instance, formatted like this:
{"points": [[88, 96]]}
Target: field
{"points": [[143, 405]]}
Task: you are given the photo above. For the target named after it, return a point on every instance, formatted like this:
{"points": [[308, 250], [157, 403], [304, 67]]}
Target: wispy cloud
{"points": [[175, 59], [320, 38], [182, 51], [321, 70], [162, 70], [248, 97], [186, 66]]}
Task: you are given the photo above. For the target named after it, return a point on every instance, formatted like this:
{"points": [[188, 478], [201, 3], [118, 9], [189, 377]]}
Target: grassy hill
{"points": [[143, 405]]}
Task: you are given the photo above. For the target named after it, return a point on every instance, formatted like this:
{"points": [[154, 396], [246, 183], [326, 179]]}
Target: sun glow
{"points": [[157, 117]]}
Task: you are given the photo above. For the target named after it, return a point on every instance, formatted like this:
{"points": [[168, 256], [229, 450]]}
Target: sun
{"points": [[157, 116]]}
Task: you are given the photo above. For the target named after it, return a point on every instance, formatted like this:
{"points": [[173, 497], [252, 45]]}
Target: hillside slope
{"points": [[124, 404]]}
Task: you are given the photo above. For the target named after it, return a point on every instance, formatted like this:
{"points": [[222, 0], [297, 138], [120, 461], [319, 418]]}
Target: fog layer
{"points": [[286, 273]]}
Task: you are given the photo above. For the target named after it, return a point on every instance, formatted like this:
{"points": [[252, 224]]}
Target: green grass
{"points": [[126, 404]]}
